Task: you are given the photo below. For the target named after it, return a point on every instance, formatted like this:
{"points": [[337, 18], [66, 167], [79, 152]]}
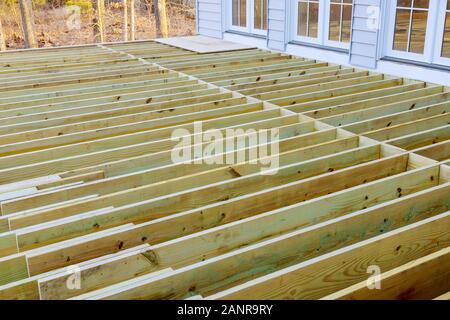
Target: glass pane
{"points": [[257, 14], [401, 30], [446, 41], [421, 3], [235, 13], [302, 19], [335, 21], [260, 14], [404, 3], [243, 13], [239, 13], [265, 14], [313, 19], [346, 23], [418, 30]]}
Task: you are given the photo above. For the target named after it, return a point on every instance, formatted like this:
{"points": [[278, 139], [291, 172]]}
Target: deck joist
{"points": [[88, 185]]}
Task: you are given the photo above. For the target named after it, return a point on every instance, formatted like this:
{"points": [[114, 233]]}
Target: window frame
{"points": [[334, 43], [323, 31], [440, 26], [250, 18], [433, 38]]}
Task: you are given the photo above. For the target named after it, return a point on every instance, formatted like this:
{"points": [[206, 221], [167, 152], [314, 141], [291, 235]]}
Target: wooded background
{"points": [[46, 23]]}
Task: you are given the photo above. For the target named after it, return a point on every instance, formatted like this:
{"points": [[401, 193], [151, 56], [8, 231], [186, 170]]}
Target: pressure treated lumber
{"points": [[306, 281], [424, 278], [88, 182]]}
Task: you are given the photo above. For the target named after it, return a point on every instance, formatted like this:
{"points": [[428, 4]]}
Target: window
{"points": [[340, 20], [442, 46], [249, 16], [240, 13], [308, 18], [411, 25], [445, 51], [322, 22], [260, 14], [419, 30]]}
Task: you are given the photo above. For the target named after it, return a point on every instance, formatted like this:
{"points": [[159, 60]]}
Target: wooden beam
{"points": [[303, 281], [331, 206], [212, 275], [422, 279]]}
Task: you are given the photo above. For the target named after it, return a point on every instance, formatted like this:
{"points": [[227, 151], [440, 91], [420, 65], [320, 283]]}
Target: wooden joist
{"points": [[88, 182]]}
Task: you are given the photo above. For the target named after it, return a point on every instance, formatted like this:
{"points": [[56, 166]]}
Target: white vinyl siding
{"points": [[365, 33], [276, 36], [209, 19]]}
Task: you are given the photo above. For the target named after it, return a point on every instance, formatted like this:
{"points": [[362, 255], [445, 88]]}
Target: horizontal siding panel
{"points": [[210, 32], [362, 49], [209, 16], [276, 45], [210, 24], [363, 11], [211, 7], [276, 14], [362, 61], [276, 35], [364, 36], [277, 4], [277, 25], [363, 24]]}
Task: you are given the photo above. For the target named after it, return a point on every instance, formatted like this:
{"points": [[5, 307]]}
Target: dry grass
{"points": [[52, 29]]}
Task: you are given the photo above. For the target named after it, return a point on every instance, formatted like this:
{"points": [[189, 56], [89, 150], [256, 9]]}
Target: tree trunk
{"points": [[2, 38], [133, 20], [161, 18], [157, 19], [125, 20], [100, 21], [26, 14]]}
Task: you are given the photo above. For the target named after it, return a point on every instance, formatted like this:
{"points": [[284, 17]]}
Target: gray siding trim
{"points": [[277, 26], [364, 35], [210, 15]]}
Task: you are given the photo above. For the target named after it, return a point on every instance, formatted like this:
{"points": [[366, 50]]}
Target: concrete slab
{"points": [[202, 44]]}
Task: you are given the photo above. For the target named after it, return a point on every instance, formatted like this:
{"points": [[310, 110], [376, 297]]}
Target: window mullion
{"points": [[307, 18], [341, 21], [408, 43]]}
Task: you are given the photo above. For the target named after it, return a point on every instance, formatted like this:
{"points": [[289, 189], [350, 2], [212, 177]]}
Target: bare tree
{"points": [[26, 14]]}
